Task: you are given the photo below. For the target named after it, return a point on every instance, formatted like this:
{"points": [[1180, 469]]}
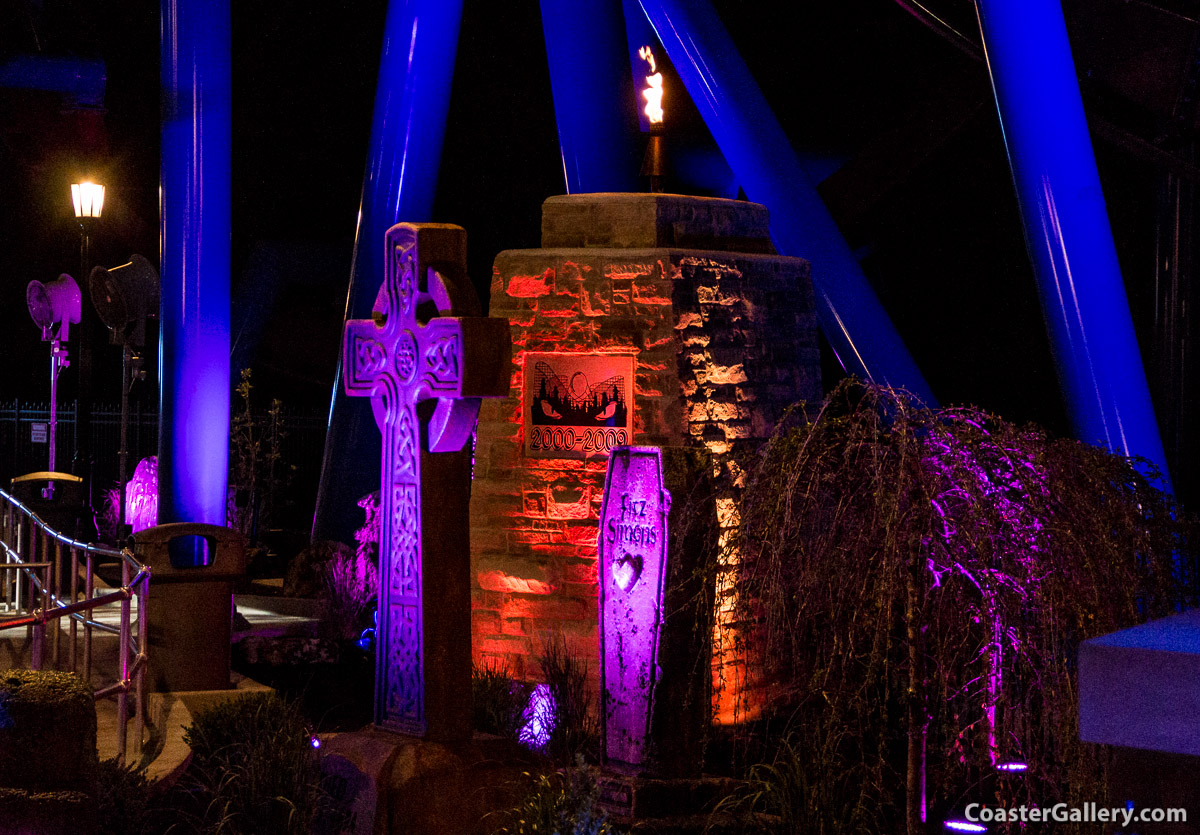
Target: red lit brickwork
{"points": [[722, 342]]}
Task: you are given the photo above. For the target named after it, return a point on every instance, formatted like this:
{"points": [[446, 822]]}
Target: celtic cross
{"points": [[425, 358]]}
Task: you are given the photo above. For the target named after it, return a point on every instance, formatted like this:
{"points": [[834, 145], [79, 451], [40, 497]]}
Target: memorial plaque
{"points": [[38, 433], [633, 570], [577, 405]]}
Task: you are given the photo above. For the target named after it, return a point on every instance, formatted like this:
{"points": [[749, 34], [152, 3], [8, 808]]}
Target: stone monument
{"points": [[425, 358], [646, 319]]}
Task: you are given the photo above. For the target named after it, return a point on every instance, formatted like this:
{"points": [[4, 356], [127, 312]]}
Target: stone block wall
{"points": [[723, 341]]}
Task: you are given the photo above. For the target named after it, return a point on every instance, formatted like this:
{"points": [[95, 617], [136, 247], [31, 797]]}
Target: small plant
{"points": [[573, 730], [108, 514], [352, 584], [562, 803], [366, 536], [124, 800], [257, 474], [499, 702], [254, 770], [795, 793]]}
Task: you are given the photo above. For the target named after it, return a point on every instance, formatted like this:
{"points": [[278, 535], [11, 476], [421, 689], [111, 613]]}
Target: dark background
{"points": [[891, 112]]}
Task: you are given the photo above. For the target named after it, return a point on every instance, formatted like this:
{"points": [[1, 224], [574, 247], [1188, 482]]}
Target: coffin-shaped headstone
{"points": [[633, 570]]}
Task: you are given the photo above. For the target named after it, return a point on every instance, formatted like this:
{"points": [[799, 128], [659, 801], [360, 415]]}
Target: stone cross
{"points": [[425, 358], [633, 572]]}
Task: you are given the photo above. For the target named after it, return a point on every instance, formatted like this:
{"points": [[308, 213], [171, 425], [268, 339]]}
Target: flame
{"points": [[654, 87], [647, 55]]}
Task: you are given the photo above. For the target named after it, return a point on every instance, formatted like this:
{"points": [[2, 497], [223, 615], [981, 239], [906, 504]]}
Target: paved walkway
{"points": [[163, 753]]}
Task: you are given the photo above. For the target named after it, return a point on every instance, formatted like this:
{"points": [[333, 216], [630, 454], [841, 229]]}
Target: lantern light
{"points": [[88, 198]]}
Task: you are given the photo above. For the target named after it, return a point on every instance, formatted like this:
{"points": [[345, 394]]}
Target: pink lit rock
{"points": [[141, 495], [540, 715], [633, 570]]}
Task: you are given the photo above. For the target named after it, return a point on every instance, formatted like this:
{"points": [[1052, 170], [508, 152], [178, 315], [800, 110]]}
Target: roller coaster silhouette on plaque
{"points": [[577, 405]]}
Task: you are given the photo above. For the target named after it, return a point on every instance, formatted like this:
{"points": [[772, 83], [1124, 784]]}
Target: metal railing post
{"points": [[74, 599], [142, 660], [8, 533], [37, 649], [54, 554], [20, 556], [89, 582], [123, 693]]}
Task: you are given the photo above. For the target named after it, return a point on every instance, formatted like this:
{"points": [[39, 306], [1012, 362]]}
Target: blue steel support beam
{"points": [[193, 346], [1066, 227], [593, 94], [412, 98], [759, 153]]}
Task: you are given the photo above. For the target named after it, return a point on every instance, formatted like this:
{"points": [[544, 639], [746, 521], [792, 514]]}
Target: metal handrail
{"points": [[45, 578]]}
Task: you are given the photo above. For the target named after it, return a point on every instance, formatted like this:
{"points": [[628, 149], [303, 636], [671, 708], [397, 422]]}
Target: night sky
{"points": [[923, 194]]}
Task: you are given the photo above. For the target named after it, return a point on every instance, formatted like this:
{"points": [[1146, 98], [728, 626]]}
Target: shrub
{"points": [[366, 536], [254, 770], [47, 731], [914, 585], [793, 794], [46, 812], [351, 584], [573, 730], [124, 801], [258, 476], [562, 803], [499, 702]]}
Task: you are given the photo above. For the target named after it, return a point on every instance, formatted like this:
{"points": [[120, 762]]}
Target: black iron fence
{"points": [[24, 447]]}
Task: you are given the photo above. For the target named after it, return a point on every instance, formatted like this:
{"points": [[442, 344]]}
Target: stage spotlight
{"points": [[123, 296], [54, 306]]}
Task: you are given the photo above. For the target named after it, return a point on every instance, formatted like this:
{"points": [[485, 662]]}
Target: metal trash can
{"points": [[193, 571]]}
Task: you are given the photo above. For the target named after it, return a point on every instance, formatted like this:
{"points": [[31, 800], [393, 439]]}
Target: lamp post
{"points": [[124, 297], [87, 198]]}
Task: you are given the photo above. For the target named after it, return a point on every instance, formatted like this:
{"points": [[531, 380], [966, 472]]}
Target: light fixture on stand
{"points": [[124, 297], [54, 306], [87, 199]]}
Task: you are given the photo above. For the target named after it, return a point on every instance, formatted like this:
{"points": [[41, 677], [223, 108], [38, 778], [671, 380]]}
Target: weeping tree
{"points": [[913, 586]]}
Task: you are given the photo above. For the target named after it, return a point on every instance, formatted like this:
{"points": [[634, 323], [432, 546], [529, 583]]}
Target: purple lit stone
{"points": [[540, 716], [141, 495], [633, 557]]}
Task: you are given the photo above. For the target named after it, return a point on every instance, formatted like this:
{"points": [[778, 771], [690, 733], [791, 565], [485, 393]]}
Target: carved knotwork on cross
{"points": [[425, 358]]}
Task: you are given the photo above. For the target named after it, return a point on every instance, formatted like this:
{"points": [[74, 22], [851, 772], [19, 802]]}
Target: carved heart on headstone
{"points": [[626, 571]]}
